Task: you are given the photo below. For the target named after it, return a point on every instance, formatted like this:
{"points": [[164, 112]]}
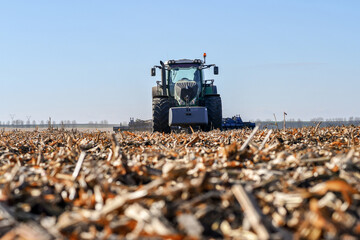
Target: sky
{"points": [[91, 60]]}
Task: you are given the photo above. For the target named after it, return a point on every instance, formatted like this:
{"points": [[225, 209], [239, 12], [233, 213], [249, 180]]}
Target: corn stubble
{"points": [[239, 184]]}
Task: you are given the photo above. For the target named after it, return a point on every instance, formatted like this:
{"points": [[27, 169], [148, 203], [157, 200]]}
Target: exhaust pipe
{"points": [[163, 77]]}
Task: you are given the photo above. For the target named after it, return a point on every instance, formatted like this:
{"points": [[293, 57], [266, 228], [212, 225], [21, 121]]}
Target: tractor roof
{"points": [[184, 61]]}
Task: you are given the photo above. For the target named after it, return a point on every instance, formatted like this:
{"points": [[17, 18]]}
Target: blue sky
{"points": [[91, 60]]}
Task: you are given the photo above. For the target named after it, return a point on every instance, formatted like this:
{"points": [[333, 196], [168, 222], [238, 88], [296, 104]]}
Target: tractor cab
{"points": [[184, 80]]}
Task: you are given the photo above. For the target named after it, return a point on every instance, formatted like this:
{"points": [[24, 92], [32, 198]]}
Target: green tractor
{"points": [[184, 98]]}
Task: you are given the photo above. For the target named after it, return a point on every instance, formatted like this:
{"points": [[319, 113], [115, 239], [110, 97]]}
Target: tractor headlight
{"points": [[181, 102], [192, 102]]}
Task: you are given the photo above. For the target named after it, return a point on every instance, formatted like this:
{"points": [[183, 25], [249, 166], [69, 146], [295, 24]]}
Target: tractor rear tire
{"points": [[214, 109], [160, 110]]}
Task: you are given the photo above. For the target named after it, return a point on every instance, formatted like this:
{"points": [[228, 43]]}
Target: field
{"points": [[239, 184]]}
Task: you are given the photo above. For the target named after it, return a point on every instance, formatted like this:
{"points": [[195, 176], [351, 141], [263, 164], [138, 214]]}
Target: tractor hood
{"points": [[185, 91]]}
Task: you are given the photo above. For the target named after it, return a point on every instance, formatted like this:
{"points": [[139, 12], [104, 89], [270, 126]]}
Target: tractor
{"points": [[184, 98]]}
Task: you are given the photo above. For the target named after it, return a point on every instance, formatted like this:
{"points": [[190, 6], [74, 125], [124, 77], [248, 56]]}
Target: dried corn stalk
{"points": [[241, 184]]}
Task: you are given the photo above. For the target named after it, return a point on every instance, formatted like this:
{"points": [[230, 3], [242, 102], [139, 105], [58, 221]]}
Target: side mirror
{"points": [[153, 72], [216, 70]]}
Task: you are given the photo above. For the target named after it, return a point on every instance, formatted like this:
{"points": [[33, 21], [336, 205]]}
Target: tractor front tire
{"points": [[160, 110], [214, 109]]}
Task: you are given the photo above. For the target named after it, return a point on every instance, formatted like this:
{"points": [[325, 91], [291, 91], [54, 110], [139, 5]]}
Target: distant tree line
{"points": [[292, 123], [102, 122], [50, 123], [33, 123]]}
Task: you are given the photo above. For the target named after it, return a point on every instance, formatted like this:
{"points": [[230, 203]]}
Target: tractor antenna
{"points": [[204, 58]]}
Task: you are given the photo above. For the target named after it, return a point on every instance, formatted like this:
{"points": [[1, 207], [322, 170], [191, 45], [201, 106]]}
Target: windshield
{"points": [[188, 74]]}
